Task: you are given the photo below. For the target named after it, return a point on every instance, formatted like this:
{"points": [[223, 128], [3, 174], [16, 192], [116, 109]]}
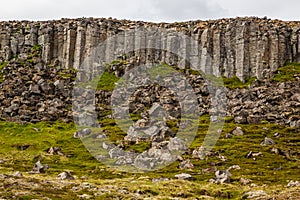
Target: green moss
{"points": [[36, 48], [80, 163], [287, 73], [107, 81], [235, 82], [162, 70], [2, 65]]}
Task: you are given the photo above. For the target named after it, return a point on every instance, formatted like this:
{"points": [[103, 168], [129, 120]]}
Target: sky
{"points": [[148, 10]]}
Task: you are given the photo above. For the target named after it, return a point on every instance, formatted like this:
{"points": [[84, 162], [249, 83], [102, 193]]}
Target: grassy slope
{"points": [[79, 162], [14, 137]]}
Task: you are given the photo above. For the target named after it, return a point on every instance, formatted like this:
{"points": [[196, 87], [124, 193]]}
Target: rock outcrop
{"points": [[242, 47], [42, 60]]}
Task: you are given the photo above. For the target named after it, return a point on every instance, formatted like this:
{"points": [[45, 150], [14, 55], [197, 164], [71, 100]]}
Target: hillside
{"points": [[213, 109]]}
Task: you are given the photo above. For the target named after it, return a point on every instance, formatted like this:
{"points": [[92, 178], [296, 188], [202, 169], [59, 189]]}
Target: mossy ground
{"points": [[287, 73], [23, 145], [2, 65]]}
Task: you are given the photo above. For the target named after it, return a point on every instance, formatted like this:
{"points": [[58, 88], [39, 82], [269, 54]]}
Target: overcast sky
{"points": [[148, 10]]}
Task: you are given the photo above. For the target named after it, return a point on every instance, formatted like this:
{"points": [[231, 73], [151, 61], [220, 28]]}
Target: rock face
{"points": [[242, 47], [43, 61]]}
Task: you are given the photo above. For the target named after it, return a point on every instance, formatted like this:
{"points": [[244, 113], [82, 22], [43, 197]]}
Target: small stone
{"points": [[200, 153], [36, 129], [55, 151], [277, 135], [228, 135], [183, 176], [294, 184], [85, 196], [238, 131], [18, 174], [253, 155], [245, 181], [84, 178], [222, 176], [255, 194], [158, 180], [39, 168], [65, 176], [186, 165], [268, 141], [235, 167], [82, 133]]}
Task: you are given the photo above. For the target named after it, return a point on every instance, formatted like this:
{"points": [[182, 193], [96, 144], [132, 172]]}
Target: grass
{"points": [[2, 65], [235, 82], [107, 81], [22, 145], [37, 138], [286, 73]]}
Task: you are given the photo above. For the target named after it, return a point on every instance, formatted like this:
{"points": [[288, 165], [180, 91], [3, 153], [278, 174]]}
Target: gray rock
{"points": [[18, 174], [55, 151], [268, 141], [82, 133], [158, 180], [85, 196], [294, 184], [255, 194], [116, 153], [176, 144], [184, 176], [245, 181], [238, 131], [65, 176], [39, 168], [200, 153], [222, 176], [186, 165]]}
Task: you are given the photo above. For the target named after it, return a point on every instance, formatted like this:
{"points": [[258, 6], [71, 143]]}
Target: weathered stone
{"points": [[238, 131], [184, 176], [65, 176], [39, 168], [222, 176], [255, 194], [268, 141], [55, 151], [82, 133], [245, 181], [186, 165], [294, 184]]}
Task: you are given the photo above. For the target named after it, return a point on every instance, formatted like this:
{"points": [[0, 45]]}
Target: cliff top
{"points": [[130, 23]]}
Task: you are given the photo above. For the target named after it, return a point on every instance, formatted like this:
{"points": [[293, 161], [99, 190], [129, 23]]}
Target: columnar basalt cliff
{"points": [[242, 47], [39, 62]]}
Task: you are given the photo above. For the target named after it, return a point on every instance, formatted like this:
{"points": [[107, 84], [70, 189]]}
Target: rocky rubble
{"points": [[271, 102], [33, 91], [45, 56]]}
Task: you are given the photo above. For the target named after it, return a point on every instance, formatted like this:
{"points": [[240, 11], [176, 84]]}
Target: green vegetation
{"points": [[107, 81], [235, 82], [23, 145], [2, 65], [35, 50], [36, 47], [287, 73]]}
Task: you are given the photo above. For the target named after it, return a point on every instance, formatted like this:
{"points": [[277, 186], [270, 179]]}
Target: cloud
{"points": [[180, 10], [149, 10], [284, 10], [154, 10]]}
